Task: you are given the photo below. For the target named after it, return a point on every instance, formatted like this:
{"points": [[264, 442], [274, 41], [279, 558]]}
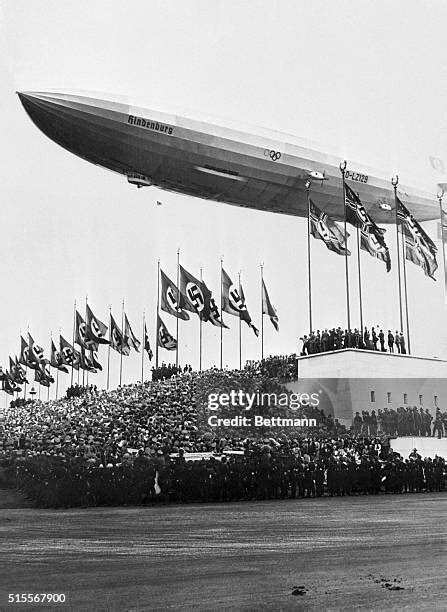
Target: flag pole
{"points": [[142, 349], [360, 281], [309, 269], [394, 182], [73, 339], [348, 312], [49, 367], [405, 291], [221, 328], [200, 329], [177, 306], [240, 329], [122, 342], [262, 315], [108, 349], [440, 196], [158, 309], [57, 381]]}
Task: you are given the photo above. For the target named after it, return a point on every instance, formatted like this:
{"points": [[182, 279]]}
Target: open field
{"points": [[371, 553]]}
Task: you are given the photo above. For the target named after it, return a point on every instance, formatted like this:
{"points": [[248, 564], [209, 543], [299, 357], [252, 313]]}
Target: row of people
{"points": [[337, 338], [167, 370], [405, 421], [276, 473]]}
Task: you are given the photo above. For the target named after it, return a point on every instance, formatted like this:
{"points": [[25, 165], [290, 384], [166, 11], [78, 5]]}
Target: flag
{"points": [[214, 314], [356, 213], [171, 300], [24, 353], [419, 247], [94, 360], [147, 345], [243, 313], [96, 330], [69, 355], [81, 335], [34, 353], [268, 308], [196, 295], [85, 362], [324, 228], [444, 245], [56, 360], [20, 372], [164, 338], [371, 235], [9, 386], [131, 339], [231, 299], [375, 245], [16, 372], [43, 378], [117, 340]]}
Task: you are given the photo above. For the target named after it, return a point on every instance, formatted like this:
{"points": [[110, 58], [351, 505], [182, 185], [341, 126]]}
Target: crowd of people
{"points": [[77, 390], [129, 445], [337, 338], [405, 421], [167, 370], [285, 469]]}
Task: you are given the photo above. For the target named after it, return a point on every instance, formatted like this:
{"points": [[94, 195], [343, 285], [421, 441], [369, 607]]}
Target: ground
{"points": [[362, 553]]}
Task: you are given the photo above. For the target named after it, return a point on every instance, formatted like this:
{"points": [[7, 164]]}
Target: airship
{"points": [[220, 162]]}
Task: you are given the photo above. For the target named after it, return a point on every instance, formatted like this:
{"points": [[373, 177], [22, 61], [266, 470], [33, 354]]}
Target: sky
{"points": [[364, 80]]}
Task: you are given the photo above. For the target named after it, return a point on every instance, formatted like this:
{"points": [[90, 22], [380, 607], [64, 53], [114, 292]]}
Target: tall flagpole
{"points": [[440, 196], [360, 282], [221, 328], [240, 329], [394, 182], [348, 312], [262, 315], [200, 329], [405, 291], [309, 272], [57, 381], [156, 318], [142, 349], [177, 305], [108, 349], [73, 340], [49, 367], [122, 342]]}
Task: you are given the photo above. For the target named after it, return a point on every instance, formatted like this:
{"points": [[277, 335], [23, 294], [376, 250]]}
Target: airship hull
{"points": [[262, 171]]}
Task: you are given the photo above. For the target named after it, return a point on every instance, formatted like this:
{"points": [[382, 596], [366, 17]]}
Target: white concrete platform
{"points": [[355, 363], [352, 380]]}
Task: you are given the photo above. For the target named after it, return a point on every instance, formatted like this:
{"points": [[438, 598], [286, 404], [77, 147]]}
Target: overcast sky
{"points": [[365, 80]]}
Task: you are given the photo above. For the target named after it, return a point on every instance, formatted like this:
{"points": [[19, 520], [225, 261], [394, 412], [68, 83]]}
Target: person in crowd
{"points": [[397, 341], [382, 341], [390, 342], [403, 349], [374, 339]]}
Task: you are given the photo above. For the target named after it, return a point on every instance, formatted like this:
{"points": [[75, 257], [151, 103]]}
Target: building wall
{"points": [[350, 380]]}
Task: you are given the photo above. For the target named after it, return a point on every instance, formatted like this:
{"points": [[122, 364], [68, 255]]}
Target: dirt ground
{"points": [[360, 553]]}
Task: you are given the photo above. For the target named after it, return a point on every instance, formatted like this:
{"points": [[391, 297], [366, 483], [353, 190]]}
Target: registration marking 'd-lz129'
{"points": [[356, 176]]}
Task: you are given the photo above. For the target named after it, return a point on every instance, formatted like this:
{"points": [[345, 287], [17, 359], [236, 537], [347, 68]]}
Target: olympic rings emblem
{"points": [[274, 155]]}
